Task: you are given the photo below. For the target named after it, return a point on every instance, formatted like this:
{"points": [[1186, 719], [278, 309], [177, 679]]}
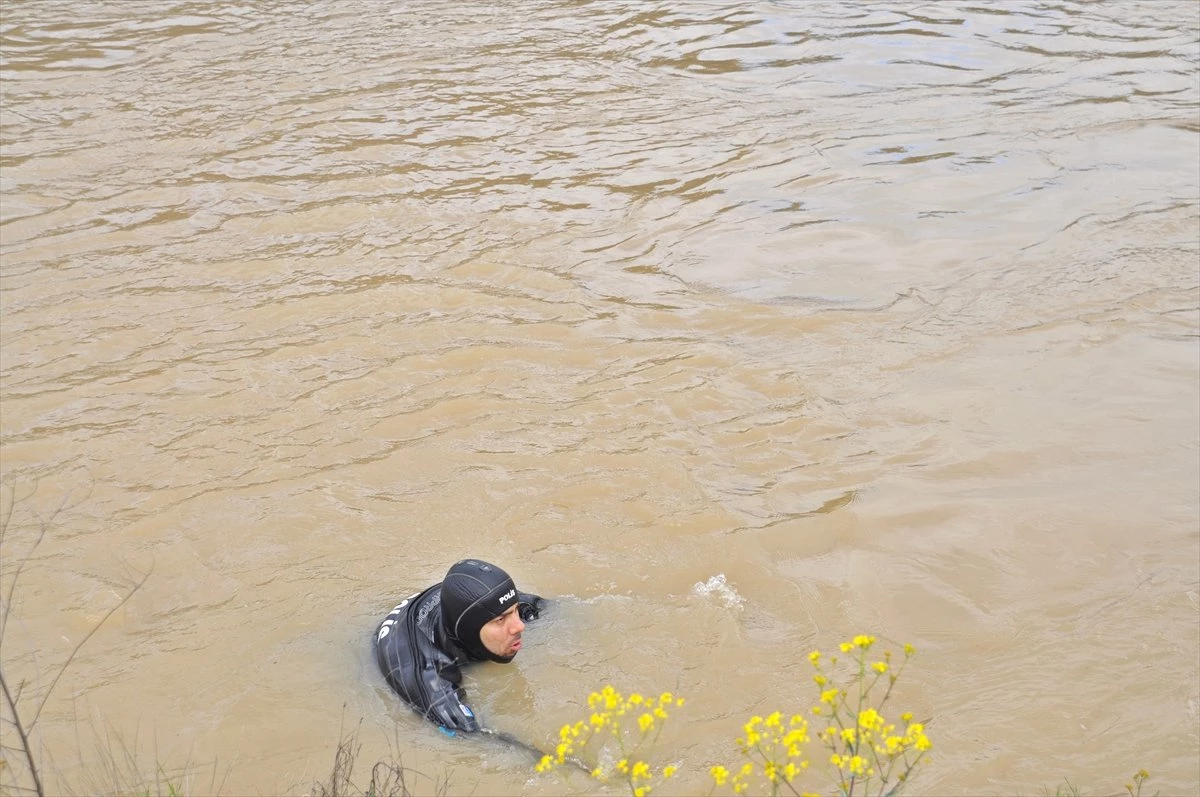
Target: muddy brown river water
{"points": [[739, 329]]}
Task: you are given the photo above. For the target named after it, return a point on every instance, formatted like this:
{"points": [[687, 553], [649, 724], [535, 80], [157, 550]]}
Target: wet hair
{"points": [[473, 593]]}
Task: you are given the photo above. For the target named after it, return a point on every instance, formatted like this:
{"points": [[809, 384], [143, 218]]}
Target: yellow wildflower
{"points": [[863, 641], [879, 667], [669, 770], [645, 722], [870, 719], [752, 735], [719, 774]]}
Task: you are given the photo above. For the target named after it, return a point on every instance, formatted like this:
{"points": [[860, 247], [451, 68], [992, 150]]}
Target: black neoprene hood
{"points": [[473, 593]]}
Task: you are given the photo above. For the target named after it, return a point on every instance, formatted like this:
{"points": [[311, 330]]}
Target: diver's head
{"points": [[479, 609]]}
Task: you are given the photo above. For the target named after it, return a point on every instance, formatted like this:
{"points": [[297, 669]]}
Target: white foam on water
{"points": [[718, 586]]}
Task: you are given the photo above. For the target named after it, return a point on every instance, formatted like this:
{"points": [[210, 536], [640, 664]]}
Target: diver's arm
{"points": [[448, 707], [452, 715]]}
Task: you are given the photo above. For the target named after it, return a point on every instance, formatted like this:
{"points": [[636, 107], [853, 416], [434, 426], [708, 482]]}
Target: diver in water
{"points": [[475, 614]]}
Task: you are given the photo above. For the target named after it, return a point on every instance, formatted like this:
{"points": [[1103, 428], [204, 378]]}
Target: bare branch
{"points": [[24, 735], [83, 642]]}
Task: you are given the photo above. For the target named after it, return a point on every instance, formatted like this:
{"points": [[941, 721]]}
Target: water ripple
{"points": [[873, 304]]}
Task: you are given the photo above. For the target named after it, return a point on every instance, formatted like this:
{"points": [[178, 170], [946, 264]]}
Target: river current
{"points": [[737, 329]]}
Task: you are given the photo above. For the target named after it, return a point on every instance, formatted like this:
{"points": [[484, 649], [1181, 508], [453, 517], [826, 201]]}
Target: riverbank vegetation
{"points": [[21, 702], [858, 750]]}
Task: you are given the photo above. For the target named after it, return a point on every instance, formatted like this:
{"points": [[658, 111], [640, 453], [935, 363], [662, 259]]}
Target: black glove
{"points": [[529, 606]]}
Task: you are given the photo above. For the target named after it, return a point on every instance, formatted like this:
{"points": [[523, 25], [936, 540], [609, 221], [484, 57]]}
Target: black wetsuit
{"points": [[422, 659]]}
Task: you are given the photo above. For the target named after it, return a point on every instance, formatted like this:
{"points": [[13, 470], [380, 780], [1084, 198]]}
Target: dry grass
{"points": [[20, 764], [387, 778]]}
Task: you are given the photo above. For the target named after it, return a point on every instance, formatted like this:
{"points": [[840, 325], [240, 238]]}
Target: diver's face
{"points": [[502, 635]]}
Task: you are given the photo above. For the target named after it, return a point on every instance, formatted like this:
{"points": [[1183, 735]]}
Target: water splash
{"points": [[718, 586]]}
